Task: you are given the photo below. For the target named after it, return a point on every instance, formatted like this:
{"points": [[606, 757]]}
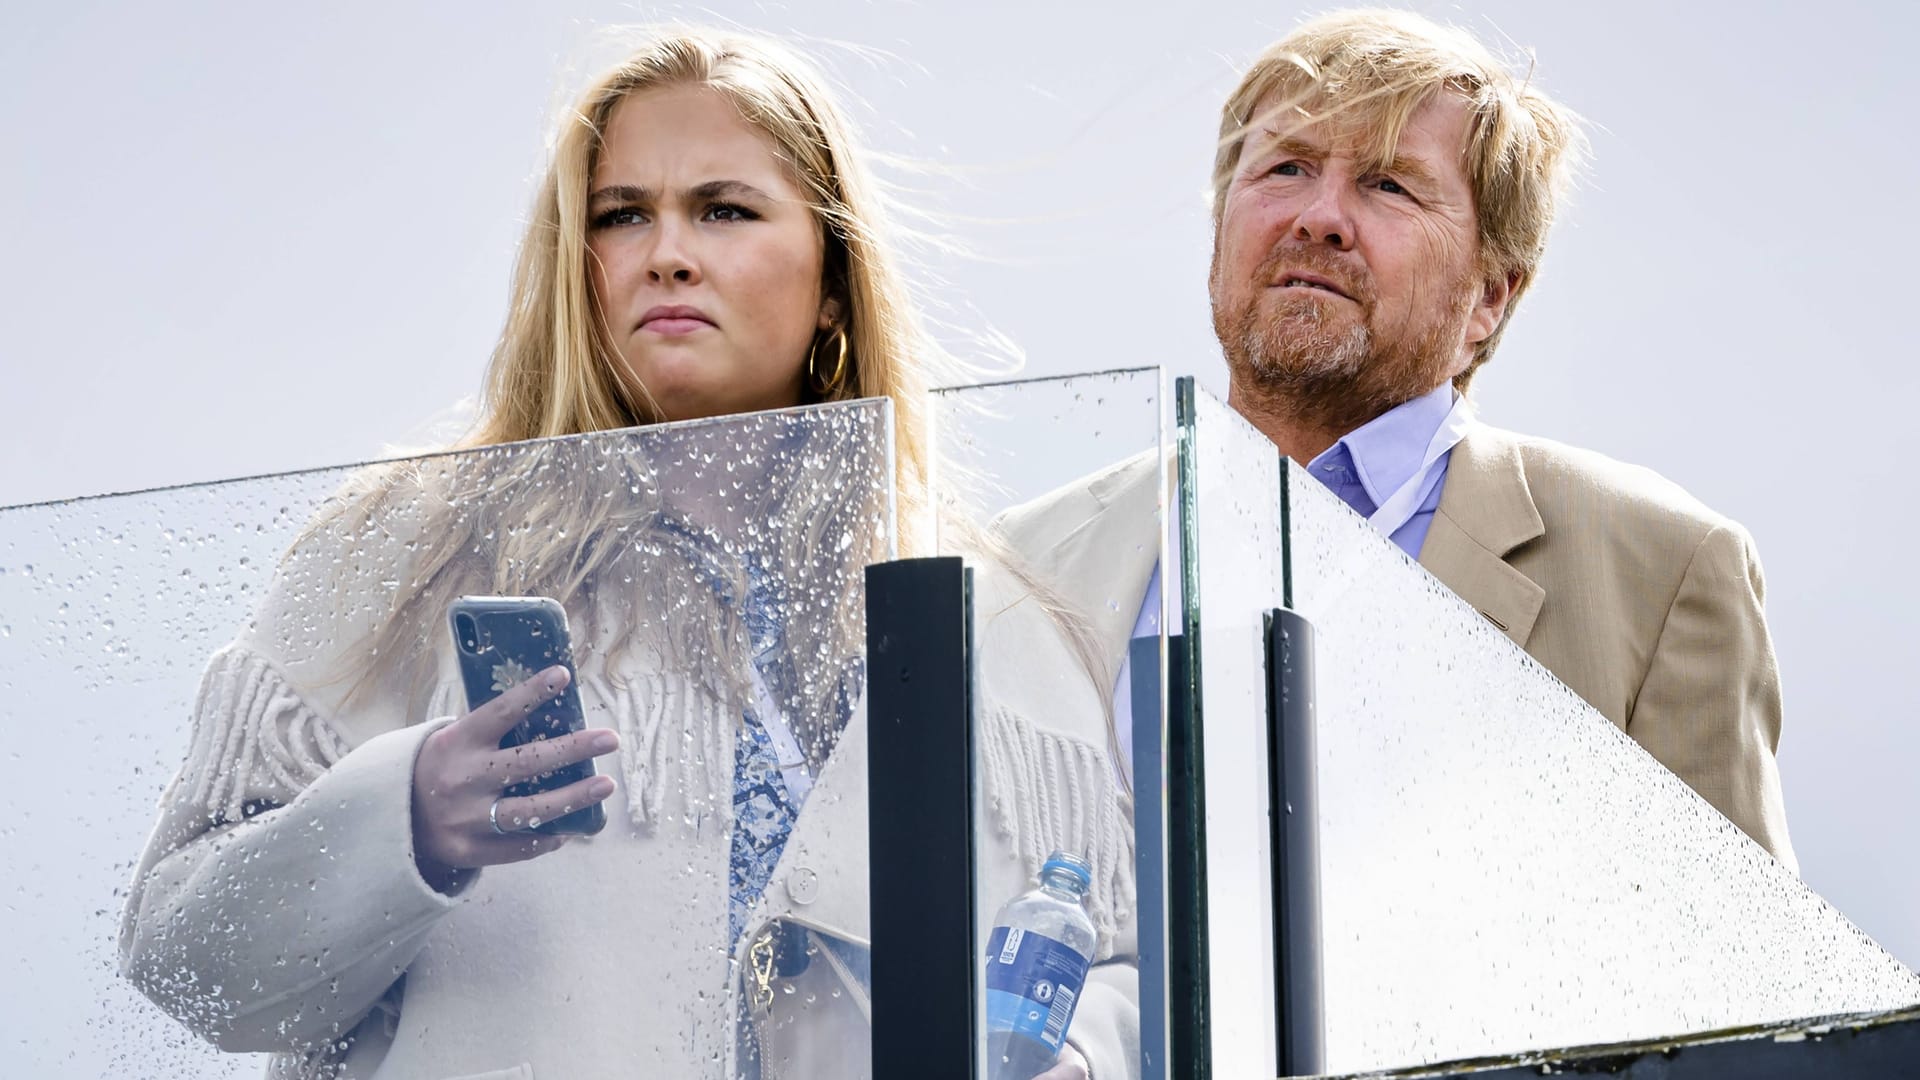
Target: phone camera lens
{"points": [[467, 632]]}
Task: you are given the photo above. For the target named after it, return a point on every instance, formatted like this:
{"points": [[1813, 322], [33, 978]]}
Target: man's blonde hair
{"points": [[1367, 72]]}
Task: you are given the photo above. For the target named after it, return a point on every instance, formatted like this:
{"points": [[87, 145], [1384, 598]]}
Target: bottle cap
{"points": [[1068, 862]]}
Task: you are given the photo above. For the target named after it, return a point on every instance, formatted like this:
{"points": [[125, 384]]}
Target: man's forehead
{"points": [[1435, 131]]}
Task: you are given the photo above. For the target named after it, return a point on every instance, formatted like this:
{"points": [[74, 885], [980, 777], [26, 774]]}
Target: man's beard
{"points": [[1311, 365]]}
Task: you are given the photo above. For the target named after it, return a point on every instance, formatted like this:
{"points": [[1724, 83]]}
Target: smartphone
{"points": [[504, 641]]}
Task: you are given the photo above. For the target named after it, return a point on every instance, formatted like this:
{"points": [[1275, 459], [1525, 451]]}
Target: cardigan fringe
{"points": [[254, 738], [677, 740], [1049, 792]]}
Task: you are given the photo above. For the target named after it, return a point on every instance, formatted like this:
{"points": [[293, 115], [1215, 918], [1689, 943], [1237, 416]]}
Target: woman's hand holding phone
{"points": [[461, 772]]}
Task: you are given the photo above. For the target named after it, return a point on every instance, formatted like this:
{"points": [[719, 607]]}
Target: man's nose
{"points": [[672, 257], [1326, 218]]}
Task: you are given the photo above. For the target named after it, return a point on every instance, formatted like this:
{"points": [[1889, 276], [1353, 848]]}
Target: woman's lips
{"points": [[675, 326], [674, 320]]}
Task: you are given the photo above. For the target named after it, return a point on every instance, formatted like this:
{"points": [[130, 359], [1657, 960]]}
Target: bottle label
{"points": [[1033, 983]]}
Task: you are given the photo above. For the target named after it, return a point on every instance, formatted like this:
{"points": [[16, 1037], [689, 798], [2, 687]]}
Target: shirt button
{"points": [[803, 885]]}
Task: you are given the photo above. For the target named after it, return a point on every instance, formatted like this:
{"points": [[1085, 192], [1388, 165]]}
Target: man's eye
{"points": [[1289, 168], [1392, 187], [728, 212], [620, 215]]}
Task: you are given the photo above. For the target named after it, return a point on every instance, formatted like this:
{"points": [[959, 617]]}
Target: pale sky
{"points": [[248, 238]]}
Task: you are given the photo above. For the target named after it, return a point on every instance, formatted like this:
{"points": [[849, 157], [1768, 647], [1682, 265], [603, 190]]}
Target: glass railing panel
{"points": [[289, 638], [1052, 490], [1503, 869], [109, 609], [1232, 548]]}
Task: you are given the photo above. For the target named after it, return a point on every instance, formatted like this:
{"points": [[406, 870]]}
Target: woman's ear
{"points": [[829, 313]]}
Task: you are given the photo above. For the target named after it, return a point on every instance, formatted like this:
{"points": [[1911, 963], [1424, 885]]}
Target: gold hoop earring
{"points": [[839, 375]]}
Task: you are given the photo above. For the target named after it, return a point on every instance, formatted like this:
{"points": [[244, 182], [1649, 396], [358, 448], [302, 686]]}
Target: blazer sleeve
{"points": [[278, 896], [1709, 708]]}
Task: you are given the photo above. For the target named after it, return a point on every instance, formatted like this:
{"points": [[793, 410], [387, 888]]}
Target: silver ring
{"points": [[493, 818]]}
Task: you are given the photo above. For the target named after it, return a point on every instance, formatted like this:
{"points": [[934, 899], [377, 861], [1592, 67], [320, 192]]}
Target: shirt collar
{"points": [[1387, 450]]}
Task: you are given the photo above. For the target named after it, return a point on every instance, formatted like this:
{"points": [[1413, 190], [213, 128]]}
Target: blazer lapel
{"points": [[1485, 512]]}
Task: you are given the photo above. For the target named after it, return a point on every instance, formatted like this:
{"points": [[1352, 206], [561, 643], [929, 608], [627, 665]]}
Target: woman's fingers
{"points": [[461, 773], [490, 723], [518, 764], [519, 815]]}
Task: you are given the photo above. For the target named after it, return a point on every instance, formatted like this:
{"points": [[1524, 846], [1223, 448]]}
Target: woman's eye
{"points": [[728, 212], [622, 215], [1289, 168], [1392, 187]]}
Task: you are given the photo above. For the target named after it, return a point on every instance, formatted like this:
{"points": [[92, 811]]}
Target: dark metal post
{"points": [[1296, 843], [920, 819], [1189, 1035]]}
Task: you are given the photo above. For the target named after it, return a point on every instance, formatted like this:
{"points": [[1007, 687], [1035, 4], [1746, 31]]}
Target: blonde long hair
{"points": [[556, 370], [585, 515]]}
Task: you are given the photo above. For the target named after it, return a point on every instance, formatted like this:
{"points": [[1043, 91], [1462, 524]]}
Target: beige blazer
{"points": [[1643, 601]]}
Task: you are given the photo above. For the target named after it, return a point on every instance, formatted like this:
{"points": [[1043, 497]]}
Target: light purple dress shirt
{"points": [[1363, 469], [1370, 462]]}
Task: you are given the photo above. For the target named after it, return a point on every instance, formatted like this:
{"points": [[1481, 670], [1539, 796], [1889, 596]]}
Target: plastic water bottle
{"points": [[1037, 960]]}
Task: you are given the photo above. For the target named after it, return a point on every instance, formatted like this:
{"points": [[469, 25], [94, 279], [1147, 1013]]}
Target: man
{"points": [[1381, 199]]}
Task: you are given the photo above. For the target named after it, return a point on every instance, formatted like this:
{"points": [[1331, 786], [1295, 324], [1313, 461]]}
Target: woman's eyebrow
{"points": [[727, 189], [626, 193], [710, 189]]}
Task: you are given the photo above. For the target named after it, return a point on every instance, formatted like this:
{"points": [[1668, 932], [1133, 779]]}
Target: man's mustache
{"points": [[1348, 276]]}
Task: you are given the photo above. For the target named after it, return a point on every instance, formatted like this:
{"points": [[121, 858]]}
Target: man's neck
{"points": [[1299, 437]]}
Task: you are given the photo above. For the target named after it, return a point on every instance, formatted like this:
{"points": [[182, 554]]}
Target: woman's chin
{"points": [[696, 390], [708, 406]]}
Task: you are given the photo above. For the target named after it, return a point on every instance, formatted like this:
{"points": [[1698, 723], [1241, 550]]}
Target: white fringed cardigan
{"points": [[278, 907]]}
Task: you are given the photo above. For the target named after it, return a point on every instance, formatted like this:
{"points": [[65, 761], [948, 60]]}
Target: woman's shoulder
{"points": [[386, 500], [344, 576]]}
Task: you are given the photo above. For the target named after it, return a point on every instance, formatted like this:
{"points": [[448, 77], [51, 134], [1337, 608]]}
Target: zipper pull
{"points": [[760, 957]]}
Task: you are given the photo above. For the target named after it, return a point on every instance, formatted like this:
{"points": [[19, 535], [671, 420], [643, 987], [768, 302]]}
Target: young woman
{"points": [[341, 880]]}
